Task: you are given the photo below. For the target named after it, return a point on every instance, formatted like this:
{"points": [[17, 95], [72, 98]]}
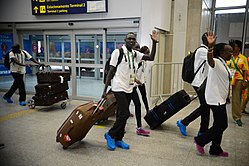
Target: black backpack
{"points": [[188, 73], [7, 60], [107, 64]]}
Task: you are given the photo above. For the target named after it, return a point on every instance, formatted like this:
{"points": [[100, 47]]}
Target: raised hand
{"points": [[154, 36], [211, 38]]}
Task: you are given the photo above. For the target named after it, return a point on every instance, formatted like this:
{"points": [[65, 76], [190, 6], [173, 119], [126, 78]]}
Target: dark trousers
{"points": [[215, 133], [144, 96], [136, 101], [123, 113], [17, 84], [203, 110]]}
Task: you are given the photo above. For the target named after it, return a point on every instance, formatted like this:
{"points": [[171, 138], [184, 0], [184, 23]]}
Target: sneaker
{"points": [[7, 99], [122, 144], [110, 142], [22, 103], [182, 127], [199, 133], [223, 154], [199, 149], [238, 122], [143, 132]]}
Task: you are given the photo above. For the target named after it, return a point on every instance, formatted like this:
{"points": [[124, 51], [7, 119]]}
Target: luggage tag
{"points": [[132, 79]]}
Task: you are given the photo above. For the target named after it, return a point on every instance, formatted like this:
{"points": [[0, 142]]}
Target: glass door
{"points": [[88, 63]]}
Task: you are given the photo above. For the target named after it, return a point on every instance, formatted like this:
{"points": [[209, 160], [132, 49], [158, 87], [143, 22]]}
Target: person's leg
{"points": [[188, 119], [142, 90], [116, 133], [21, 86], [12, 89], [236, 102], [136, 101], [220, 125], [244, 102]]}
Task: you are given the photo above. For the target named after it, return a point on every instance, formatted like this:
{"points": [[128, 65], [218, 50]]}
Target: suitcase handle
{"points": [[101, 103]]}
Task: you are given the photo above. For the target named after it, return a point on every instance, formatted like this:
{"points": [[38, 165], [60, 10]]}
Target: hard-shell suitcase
{"points": [[167, 109], [81, 120], [50, 89], [47, 100], [52, 77]]}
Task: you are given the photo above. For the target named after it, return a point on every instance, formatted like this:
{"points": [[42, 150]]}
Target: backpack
{"points": [[188, 73], [107, 64], [7, 60]]}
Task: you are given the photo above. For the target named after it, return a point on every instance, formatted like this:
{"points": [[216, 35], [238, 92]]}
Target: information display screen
{"points": [[57, 7]]}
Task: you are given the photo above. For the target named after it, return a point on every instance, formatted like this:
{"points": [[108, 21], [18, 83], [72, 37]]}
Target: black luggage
{"points": [[47, 100], [168, 108], [52, 77], [50, 89]]}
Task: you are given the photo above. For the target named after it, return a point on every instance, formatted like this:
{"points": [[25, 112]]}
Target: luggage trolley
{"points": [[51, 88]]}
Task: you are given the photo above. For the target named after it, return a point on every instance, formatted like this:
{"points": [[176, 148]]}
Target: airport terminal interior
{"points": [[78, 38]]}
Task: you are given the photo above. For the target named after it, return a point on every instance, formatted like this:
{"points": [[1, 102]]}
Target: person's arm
{"points": [[154, 39], [211, 38], [109, 77]]}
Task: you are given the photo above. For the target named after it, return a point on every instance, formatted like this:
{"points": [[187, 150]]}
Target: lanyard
{"points": [[129, 61], [229, 76]]}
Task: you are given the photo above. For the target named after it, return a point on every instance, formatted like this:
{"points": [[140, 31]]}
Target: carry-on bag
{"points": [[81, 120], [47, 100], [167, 109], [50, 89], [109, 106]]}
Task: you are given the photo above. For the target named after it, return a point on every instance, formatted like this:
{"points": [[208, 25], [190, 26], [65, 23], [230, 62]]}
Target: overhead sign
{"points": [[55, 7]]}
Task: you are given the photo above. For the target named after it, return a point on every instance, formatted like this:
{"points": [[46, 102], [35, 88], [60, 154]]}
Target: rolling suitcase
{"points": [[110, 107], [81, 120], [47, 100], [167, 109], [50, 89], [52, 77]]}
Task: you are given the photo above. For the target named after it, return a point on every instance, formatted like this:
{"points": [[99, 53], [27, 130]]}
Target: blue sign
{"points": [[52, 7]]}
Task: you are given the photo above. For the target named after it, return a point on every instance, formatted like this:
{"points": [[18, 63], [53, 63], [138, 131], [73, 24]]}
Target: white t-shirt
{"points": [[121, 79], [140, 72], [15, 68], [201, 75], [217, 83]]}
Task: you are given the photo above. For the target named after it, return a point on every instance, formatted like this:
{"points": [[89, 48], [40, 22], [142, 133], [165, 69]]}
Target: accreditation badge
{"points": [[132, 79]]}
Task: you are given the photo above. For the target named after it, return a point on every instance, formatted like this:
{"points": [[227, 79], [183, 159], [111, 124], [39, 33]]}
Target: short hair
{"points": [[130, 33], [204, 38], [218, 48], [233, 42], [144, 49]]}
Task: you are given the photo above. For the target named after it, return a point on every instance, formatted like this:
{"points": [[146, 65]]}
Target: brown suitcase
{"points": [[81, 120], [110, 107]]}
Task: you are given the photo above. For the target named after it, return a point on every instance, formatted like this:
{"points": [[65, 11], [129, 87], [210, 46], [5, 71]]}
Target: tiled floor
{"points": [[29, 138]]}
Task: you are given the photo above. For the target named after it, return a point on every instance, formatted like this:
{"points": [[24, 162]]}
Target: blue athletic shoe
{"points": [[7, 99], [199, 133], [182, 128], [110, 142], [22, 103], [122, 144]]}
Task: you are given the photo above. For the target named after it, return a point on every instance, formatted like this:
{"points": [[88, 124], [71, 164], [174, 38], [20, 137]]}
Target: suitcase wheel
{"points": [[64, 147], [31, 104], [63, 105]]}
